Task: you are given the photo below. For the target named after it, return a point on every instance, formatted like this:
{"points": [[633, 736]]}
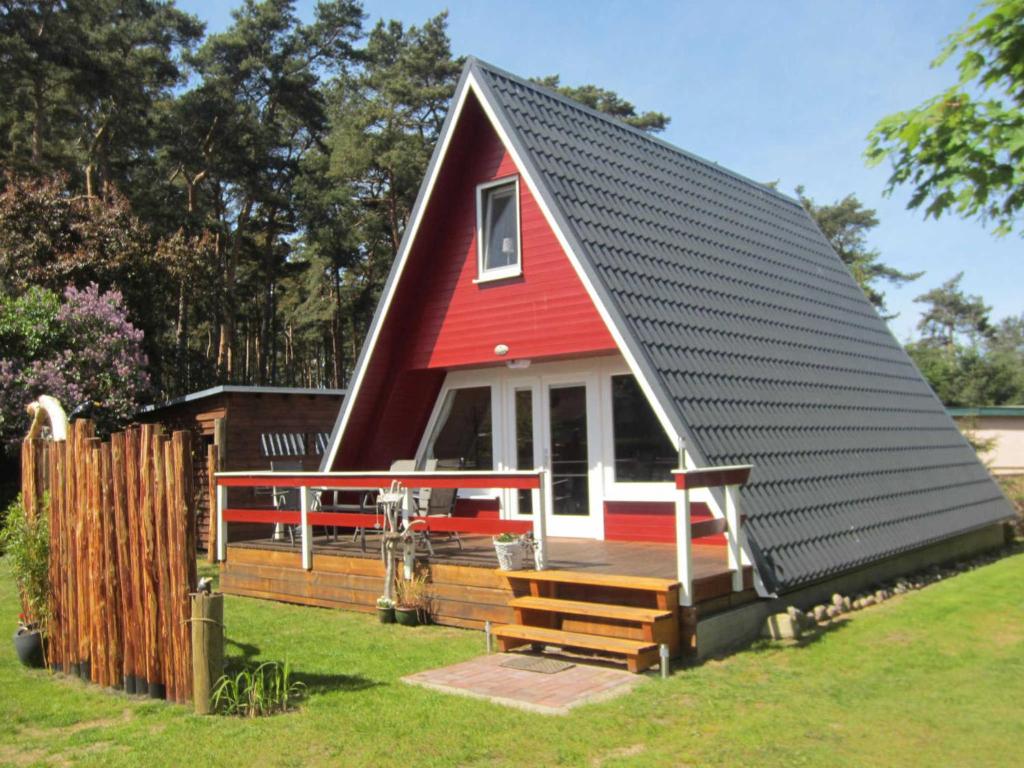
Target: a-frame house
{"points": [[575, 295]]}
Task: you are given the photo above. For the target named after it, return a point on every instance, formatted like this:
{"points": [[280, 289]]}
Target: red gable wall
{"points": [[440, 319]]}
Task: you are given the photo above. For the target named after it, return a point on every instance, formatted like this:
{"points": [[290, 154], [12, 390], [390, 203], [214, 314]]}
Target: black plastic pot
{"points": [[29, 646], [157, 691], [386, 615], [407, 617]]}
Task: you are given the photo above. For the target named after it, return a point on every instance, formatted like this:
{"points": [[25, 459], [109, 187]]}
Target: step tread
{"points": [[581, 608], [646, 583], [574, 639]]}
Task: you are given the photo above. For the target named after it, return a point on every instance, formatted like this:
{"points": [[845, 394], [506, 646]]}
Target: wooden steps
{"points": [[626, 616], [646, 583], [595, 610], [639, 654]]}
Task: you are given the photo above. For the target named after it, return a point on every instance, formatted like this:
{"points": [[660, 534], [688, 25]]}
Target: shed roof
{"points": [[755, 338], [1013, 411], [241, 389]]}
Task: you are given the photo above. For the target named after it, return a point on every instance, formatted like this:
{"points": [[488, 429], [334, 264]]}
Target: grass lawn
{"points": [[932, 678]]}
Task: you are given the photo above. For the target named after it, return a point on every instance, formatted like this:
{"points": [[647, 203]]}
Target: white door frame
{"points": [[503, 383]]}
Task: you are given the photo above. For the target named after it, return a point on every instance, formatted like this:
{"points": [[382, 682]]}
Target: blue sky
{"points": [[772, 90]]}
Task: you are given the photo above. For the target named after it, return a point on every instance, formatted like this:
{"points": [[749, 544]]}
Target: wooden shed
{"points": [[247, 423]]}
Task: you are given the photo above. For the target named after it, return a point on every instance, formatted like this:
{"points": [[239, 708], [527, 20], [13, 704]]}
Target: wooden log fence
{"points": [[122, 565]]}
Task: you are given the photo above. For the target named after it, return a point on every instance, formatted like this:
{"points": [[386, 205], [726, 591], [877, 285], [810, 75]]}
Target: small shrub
{"points": [[26, 546], [258, 692]]}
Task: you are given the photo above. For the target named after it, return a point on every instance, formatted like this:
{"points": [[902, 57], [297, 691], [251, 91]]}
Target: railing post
{"points": [[540, 523], [684, 547], [305, 529], [222, 526], [732, 535]]}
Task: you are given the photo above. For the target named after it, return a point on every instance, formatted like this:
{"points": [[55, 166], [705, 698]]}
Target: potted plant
{"points": [[510, 551], [26, 546], [385, 610], [406, 612]]}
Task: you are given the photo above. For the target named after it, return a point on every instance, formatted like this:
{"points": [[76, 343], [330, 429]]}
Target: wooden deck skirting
{"points": [[467, 589]]}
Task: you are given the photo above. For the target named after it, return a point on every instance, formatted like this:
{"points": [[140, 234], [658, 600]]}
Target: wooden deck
{"points": [[466, 588]]}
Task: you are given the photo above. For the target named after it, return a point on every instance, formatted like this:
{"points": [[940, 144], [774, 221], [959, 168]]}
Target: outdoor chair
{"points": [[286, 498], [440, 502]]}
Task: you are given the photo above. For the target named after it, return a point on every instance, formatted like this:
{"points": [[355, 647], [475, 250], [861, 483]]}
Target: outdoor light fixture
{"points": [[501, 350], [518, 365]]}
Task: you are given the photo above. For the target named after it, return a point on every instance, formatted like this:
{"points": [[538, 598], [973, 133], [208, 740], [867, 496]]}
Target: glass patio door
{"points": [[550, 426]]}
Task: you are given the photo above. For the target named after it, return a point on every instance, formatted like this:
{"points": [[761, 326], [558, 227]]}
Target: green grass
{"points": [[933, 678]]}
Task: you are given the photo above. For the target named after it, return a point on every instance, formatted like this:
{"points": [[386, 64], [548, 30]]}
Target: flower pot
{"points": [[386, 615], [407, 617], [29, 645], [510, 554]]}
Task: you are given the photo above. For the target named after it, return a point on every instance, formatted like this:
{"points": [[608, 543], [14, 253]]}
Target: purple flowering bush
{"points": [[81, 348]]}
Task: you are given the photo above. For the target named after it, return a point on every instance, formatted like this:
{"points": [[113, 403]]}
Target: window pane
{"points": [[463, 433], [502, 235], [569, 461], [643, 454], [524, 443]]}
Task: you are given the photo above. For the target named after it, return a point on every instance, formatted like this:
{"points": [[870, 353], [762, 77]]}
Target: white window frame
{"points": [[596, 374], [613, 489], [497, 273]]}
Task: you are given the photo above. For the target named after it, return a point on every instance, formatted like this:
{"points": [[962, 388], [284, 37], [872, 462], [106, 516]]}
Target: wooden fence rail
{"points": [[122, 566]]}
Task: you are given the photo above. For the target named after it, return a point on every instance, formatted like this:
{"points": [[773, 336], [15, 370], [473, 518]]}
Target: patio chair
{"points": [[440, 502], [286, 498], [432, 502], [400, 465]]}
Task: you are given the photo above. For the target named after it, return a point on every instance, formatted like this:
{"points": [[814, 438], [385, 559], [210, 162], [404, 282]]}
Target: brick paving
{"points": [[550, 694]]}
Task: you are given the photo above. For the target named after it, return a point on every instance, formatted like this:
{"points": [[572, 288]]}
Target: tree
{"points": [[52, 238], [257, 112], [356, 199], [83, 84], [80, 349], [846, 223], [968, 360], [609, 102], [963, 150], [951, 316]]}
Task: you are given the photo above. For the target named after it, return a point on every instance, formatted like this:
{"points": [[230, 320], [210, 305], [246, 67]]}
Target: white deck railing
{"points": [[729, 478], [308, 483]]}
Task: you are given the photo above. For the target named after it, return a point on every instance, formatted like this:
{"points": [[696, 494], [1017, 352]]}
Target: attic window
{"points": [[497, 217]]}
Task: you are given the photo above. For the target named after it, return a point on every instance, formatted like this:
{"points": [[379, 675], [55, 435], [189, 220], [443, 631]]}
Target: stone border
{"points": [[793, 623]]}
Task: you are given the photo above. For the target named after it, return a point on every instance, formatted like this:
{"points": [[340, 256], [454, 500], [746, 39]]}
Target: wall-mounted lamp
{"points": [[501, 350], [518, 365]]}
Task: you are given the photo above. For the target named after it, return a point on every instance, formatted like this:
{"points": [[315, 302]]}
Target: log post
{"points": [[207, 648]]}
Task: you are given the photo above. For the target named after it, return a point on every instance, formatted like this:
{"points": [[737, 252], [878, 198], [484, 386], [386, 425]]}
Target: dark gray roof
{"points": [[757, 339]]}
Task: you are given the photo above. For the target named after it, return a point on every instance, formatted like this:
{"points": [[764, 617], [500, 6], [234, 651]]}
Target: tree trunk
{"points": [[181, 340], [38, 120]]}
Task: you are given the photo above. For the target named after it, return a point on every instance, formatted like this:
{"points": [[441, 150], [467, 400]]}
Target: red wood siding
{"points": [[649, 521], [489, 509], [440, 319]]}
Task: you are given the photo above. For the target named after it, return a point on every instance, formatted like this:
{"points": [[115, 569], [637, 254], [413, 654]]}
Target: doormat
{"points": [[537, 664]]}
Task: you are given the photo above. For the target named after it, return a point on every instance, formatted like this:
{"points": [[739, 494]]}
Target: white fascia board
{"points": [[408, 239]]}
